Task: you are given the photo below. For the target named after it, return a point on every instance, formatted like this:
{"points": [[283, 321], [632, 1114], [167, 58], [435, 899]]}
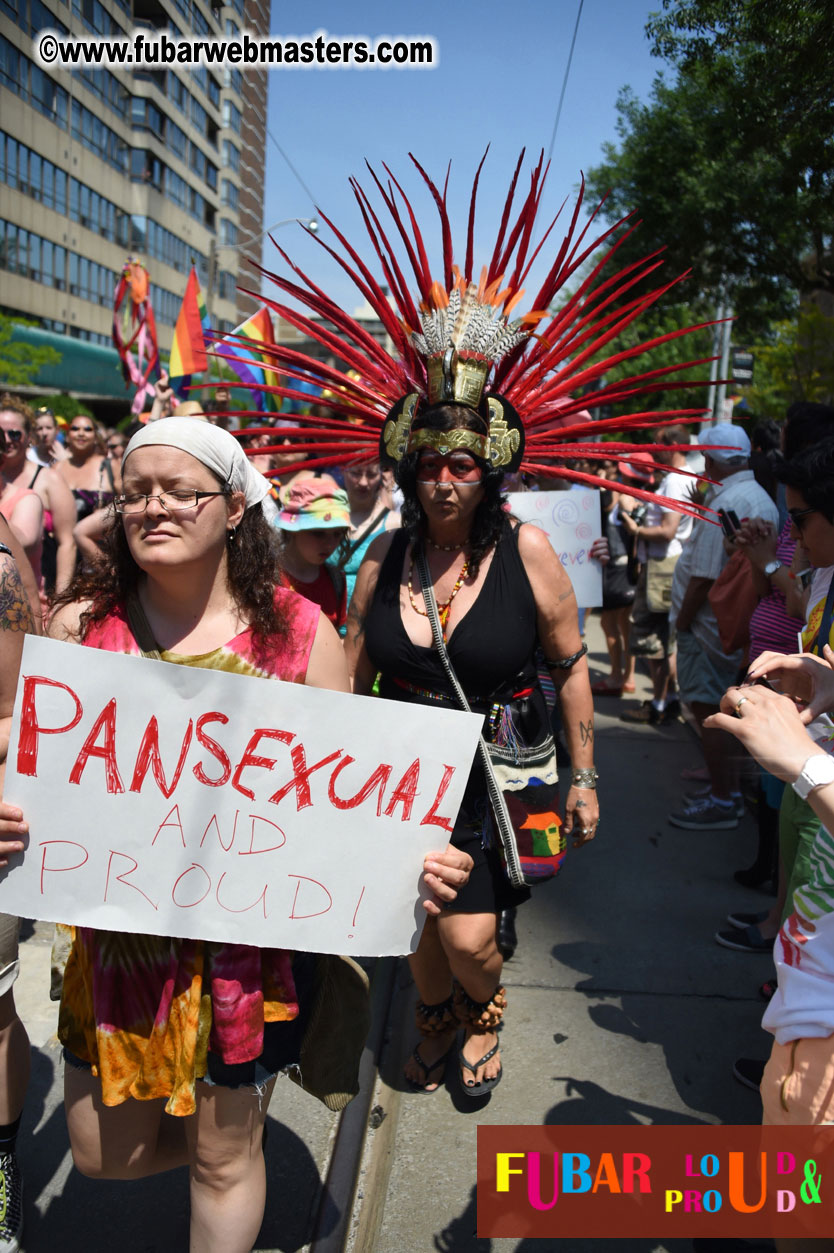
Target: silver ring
{"points": [[739, 705]]}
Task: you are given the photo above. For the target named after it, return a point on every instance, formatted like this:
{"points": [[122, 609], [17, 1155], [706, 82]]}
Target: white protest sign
{"points": [[571, 521], [179, 801]]}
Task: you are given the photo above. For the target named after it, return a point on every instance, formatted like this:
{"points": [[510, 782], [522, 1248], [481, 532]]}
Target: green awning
{"points": [[87, 371]]}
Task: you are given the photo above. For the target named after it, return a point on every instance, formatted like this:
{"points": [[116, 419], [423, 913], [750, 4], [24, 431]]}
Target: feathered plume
{"points": [[541, 360]]}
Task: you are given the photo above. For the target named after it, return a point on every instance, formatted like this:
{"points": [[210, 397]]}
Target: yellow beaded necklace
{"points": [[442, 609]]}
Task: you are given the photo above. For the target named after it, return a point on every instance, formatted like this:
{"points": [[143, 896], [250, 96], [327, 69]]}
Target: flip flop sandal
{"points": [[486, 1085], [427, 1070]]}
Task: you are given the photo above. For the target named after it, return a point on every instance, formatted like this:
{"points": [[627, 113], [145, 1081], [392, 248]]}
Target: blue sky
{"points": [[500, 73]]}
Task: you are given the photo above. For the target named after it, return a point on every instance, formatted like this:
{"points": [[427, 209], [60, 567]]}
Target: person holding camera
{"points": [[660, 533]]}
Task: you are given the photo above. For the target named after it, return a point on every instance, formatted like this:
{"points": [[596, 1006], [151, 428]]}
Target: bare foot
{"points": [[476, 1045], [423, 1068]]}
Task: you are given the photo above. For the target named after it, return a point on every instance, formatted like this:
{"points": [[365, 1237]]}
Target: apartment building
{"points": [[163, 163]]}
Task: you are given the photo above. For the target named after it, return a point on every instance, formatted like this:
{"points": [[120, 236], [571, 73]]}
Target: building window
{"points": [[231, 156], [229, 195], [228, 232], [231, 116]]}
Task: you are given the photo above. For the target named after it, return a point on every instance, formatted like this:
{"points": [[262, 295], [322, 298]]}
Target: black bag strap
{"points": [[365, 532], [141, 629], [503, 824]]}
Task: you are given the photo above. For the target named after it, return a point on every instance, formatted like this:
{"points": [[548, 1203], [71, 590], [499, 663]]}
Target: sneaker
{"points": [[645, 714], [750, 940], [698, 793], [11, 1203], [705, 815], [742, 921], [749, 1071]]}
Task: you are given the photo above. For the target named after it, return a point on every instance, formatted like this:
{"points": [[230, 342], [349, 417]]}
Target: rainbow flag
{"points": [[241, 352], [188, 351]]}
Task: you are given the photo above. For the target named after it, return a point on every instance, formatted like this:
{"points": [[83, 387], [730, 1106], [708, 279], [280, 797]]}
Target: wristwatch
{"points": [[817, 771], [771, 568]]}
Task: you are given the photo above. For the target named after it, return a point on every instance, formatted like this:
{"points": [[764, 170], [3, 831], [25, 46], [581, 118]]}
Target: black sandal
{"points": [[427, 1070], [486, 1085]]}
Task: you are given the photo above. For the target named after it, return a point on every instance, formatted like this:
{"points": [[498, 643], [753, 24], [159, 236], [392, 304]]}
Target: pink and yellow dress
{"points": [[145, 1011]]}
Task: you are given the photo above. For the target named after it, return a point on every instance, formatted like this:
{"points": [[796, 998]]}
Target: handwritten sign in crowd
{"points": [[177, 801], [571, 521]]}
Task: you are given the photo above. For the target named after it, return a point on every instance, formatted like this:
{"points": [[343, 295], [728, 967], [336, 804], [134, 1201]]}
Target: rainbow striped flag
{"points": [[188, 351], [241, 352]]}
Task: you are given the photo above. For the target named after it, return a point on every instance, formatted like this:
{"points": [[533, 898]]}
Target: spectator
{"points": [[660, 538], [704, 670], [45, 449], [56, 564], [618, 579]]}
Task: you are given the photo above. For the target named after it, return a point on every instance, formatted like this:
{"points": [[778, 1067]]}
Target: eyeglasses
{"points": [[176, 501], [14, 437], [115, 446], [796, 515]]}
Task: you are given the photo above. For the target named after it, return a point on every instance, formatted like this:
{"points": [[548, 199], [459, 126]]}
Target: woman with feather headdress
{"points": [[467, 396]]}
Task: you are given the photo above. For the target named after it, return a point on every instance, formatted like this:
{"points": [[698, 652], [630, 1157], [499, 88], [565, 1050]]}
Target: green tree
{"points": [[20, 363], [65, 406], [796, 363], [731, 165]]}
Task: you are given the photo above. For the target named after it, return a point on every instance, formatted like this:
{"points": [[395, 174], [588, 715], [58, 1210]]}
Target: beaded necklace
{"points": [[444, 608], [444, 548]]}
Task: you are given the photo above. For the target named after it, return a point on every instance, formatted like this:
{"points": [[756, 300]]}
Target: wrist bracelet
{"points": [[584, 778]]}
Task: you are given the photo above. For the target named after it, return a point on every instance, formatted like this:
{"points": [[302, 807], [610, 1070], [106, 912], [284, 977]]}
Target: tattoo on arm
{"points": [[581, 805], [586, 733], [356, 622], [15, 612], [565, 595]]}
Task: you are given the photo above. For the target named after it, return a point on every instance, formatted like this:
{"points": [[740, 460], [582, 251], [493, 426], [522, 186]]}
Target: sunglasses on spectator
{"points": [[796, 516]]}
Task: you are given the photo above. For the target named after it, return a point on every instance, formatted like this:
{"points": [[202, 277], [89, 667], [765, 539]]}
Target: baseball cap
{"points": [[313, 505], [725, 442], [634, 470]]}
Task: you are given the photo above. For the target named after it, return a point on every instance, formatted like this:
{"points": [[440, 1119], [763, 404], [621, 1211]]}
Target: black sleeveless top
{"points": [[491, 648]]}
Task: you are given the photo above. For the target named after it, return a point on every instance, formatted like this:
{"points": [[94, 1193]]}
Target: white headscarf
{"points": [[212, 446]]}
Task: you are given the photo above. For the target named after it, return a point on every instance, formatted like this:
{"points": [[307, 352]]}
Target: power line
{"points": [[292, 167], [565, 82]]}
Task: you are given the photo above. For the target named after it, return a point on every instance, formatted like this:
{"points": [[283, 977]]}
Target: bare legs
{"points": [[721, 752], [14, 1061], [221, 1144], [615, 626], [461, 947]]}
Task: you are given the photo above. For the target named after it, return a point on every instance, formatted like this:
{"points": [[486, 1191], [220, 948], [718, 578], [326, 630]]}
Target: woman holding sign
{"points": [[154, 1026]]}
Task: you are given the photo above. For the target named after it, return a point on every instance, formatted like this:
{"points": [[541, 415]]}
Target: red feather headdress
{"points": [[538, 363]]}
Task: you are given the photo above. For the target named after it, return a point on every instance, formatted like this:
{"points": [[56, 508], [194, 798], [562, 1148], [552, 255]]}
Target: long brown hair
{"points": [[253, 571]]}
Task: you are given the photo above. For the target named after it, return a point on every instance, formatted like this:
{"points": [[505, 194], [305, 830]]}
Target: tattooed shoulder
{"points": [[15, 611]]}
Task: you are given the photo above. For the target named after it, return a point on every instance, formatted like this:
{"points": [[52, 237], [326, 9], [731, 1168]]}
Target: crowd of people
{"points": [[731, 612]]}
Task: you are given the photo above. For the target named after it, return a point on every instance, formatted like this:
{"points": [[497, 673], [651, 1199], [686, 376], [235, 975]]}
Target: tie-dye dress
{"points": [[145, 1010]]}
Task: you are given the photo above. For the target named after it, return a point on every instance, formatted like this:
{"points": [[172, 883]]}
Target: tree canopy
{"points": [[731, 165], [19, 362]]}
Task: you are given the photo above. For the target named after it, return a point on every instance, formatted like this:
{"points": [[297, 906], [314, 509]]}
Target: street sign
{"points": [[741, 366]]}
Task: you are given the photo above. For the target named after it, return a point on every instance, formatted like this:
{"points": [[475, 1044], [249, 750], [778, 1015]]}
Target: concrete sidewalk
{"points": [[621, 1009]]}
